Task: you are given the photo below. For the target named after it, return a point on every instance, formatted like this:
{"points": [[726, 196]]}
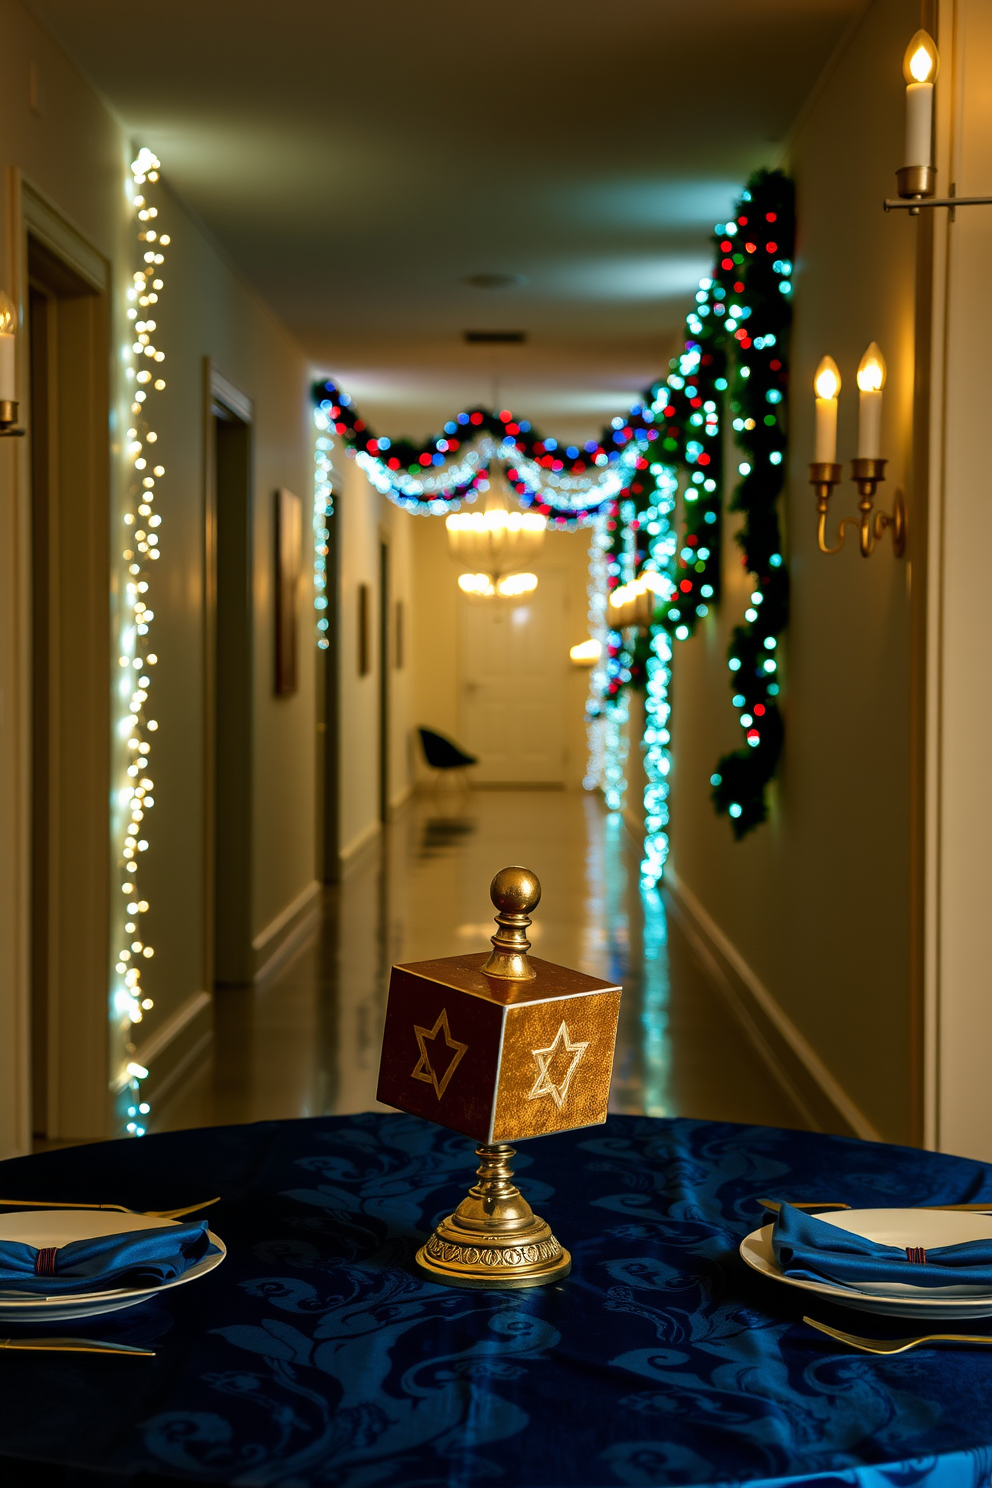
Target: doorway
{"points": [[67, 417], [512, 673], [384, 670], [230, 690]]}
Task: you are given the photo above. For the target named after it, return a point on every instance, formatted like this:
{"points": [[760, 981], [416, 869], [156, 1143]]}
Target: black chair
{"points": [[443, 755]]}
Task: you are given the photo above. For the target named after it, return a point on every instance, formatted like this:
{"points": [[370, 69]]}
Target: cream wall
{"points": [[76, 155], [366, 519], [817, 903], [437, 673]]}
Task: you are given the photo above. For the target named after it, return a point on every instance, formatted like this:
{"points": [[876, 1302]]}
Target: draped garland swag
{"points": [[666, 454]]}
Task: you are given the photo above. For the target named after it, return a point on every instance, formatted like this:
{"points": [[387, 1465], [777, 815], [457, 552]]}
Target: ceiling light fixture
{"points": [[497, 541]]}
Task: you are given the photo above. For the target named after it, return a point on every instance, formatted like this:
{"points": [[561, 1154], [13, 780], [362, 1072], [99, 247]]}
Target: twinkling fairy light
{"points": [[137, 659], [657, 524], [598, 593], [567, 482], [323, 510]]}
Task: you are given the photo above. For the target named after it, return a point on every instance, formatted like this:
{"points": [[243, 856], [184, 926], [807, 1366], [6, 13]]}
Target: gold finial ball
{"points": [[515, 891]]}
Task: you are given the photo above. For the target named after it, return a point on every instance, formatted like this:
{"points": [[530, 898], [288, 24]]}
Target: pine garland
{"points": [[736, 353], [764, 246]]}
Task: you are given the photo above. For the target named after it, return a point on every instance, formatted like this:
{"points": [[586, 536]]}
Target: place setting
{"points": [[66, 1263], [932, 1265]]}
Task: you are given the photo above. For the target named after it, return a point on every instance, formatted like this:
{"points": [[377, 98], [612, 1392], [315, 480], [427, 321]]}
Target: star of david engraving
{"points": [[544, 1084], [424, 1069]]}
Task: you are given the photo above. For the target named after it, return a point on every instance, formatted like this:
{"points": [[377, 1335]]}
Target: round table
{"points": [[315, 1355]]}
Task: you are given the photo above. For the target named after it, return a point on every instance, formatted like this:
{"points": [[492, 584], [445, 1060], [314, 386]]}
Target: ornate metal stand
{"points": [[494, 1240]]}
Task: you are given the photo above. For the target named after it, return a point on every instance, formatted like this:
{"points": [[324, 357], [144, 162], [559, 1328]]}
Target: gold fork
{"points": [[118, 1208], [774, 1206], [75, 1346], [896, 1345]]}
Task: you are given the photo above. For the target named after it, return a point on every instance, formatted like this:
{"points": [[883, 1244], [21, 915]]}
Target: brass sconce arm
{"points": [[824, 475], [8, 420], [871, 525]]}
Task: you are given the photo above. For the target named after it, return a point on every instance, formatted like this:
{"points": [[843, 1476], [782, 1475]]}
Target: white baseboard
{"points": [[264, 937], [401, 797], [281, 937], [789, 1055], [177, 1022], [352, 851]]}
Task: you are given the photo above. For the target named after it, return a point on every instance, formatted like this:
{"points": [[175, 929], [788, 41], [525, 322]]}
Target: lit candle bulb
{"points": [[871, 380], [826, 385], [919, 69], [8, 322]]}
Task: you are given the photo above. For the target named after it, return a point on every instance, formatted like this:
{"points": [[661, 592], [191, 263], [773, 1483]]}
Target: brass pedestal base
{"points": [[494, 1240]]}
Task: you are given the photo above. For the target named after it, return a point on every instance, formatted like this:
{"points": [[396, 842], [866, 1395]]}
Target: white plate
{"points": [[48, 1227], [899, 1227]]}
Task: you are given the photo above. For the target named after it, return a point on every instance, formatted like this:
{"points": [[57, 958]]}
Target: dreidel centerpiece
{"points": [[499, 1047]]}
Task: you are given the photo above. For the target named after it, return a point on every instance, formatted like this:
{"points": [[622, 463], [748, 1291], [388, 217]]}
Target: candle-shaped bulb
{"points": [[919, 68], [871, 380], [871, 370], [826, 385], [8, 323], [920, 62]]}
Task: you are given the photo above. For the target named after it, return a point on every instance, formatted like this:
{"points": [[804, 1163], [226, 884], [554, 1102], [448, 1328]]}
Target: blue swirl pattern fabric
{"points": [[315, 1357]]}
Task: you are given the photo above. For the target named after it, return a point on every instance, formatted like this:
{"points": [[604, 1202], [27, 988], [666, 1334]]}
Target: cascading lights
{"points": [[323, 511], [136, 725], [658, 524]]}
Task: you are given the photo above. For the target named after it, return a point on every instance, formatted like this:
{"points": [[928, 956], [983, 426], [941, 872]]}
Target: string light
{"points": [[137, 659], [599, 633], [323, 510], [765, 233], [662, 542], [567, 481]]}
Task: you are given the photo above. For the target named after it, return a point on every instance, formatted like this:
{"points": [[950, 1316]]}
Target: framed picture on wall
{"points": [[364, 631], [289, 567]]}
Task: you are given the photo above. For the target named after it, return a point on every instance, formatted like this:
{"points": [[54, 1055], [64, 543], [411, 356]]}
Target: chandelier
{"points": [[496, 543]]}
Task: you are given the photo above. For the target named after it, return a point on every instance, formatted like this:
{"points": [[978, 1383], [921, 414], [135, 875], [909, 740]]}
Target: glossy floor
{"points": [[306, 1041]]}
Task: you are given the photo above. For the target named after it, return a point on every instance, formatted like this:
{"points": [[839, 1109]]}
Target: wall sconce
{"points": [[916, 180], [586, 653], [8, 384], [867, 470]]}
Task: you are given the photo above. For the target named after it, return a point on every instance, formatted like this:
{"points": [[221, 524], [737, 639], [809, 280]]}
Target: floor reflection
{"points": [[307, 1040]]}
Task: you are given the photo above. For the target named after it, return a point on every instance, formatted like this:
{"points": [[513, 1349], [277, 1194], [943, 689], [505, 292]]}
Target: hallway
{"points": [[305, 1041]]}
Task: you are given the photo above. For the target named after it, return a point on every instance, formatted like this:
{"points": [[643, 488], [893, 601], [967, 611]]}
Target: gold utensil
{"points": [[896, 1345], [986, 1208], [118, 1208], [774, 1205], [74, 1346]]}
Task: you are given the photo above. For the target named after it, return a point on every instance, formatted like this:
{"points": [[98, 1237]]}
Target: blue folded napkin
{"points": [[138, 1258], [807, 1247]]}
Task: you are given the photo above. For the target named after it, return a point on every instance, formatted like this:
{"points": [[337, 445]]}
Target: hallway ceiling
{"points": [[359, 163]]}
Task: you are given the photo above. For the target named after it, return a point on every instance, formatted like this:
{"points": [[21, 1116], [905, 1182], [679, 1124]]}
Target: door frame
{"points": [[218, 391], [79, 1098]]}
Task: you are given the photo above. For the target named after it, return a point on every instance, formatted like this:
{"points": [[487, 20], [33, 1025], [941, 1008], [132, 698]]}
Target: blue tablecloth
{"points": [[315, 1356]]}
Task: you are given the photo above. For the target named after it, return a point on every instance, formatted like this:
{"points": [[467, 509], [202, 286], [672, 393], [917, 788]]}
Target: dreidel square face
{"points": [[495, 1059]]}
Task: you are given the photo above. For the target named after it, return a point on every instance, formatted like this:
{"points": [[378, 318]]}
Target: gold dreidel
{"points": [[499, 1046]]}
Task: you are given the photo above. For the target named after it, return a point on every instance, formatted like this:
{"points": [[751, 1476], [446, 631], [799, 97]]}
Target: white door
{"points": [[512, 666]]}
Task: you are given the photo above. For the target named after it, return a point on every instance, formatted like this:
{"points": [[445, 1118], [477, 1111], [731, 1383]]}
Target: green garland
{"points": [[735, 353], [766, 232]]}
